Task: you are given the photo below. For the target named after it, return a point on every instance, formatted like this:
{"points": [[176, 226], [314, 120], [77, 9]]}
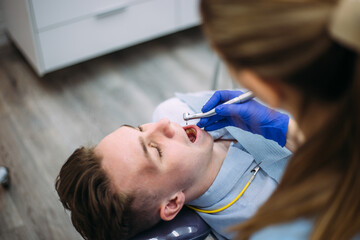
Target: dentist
{"points": [[301, 56]]}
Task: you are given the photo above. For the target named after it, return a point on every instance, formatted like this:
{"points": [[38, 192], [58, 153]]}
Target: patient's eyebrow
{"points": [[126, 125], [145, 150]]}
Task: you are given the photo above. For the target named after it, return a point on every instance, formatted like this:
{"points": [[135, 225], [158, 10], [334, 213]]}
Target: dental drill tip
{"points": [[186, 116]]}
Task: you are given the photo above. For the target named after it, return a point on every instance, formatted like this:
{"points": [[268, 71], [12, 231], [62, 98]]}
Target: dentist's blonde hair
{"points": [[293, 42]]}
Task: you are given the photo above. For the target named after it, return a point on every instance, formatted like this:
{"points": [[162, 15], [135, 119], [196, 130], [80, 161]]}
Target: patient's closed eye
{"points": [[154, 145]]}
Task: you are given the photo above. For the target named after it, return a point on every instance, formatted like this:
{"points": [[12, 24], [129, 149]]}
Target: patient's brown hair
{"points": [[97, 210]]}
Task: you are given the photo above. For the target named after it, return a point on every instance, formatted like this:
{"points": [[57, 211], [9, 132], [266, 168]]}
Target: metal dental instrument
{"points": [[242, 98], [255, 171]]}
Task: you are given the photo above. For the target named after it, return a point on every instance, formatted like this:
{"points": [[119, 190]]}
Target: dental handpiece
{"points": [[241, 98]]}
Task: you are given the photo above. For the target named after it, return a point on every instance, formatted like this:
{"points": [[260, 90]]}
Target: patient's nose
{"points": [[164, 128]]}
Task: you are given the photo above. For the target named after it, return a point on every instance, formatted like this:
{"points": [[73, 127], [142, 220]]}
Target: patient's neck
{"points": [[223, 146], [220, 149]]}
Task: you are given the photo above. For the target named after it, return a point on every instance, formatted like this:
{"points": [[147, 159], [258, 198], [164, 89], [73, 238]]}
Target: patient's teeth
{"points": [[191, 133]]}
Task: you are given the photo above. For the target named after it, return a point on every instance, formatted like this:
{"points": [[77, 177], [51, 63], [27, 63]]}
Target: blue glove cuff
{"points": [[277, 130]]}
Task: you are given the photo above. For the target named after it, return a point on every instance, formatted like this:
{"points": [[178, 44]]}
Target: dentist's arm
{"points": [[294, 137], [250, 116]]}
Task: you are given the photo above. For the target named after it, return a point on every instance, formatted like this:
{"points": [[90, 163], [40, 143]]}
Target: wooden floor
{"points": [[42, 120]]}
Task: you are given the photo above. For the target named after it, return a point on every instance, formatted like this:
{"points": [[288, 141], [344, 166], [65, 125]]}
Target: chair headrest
{"points": [[186, 225]]}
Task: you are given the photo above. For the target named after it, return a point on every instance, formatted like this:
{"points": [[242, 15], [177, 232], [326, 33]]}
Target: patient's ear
{"points": [[171, 207]]}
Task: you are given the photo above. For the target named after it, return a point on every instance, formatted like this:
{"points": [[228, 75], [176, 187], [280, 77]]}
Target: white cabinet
{"points": [[188, 11], [48, 13], [55, 34]]}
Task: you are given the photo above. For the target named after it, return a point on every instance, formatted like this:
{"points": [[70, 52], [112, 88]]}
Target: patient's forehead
{"points": [[119, 159], [124, 161]]}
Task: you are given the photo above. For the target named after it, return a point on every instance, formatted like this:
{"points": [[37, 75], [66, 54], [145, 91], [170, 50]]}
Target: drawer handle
{"points": [[110, 12]]}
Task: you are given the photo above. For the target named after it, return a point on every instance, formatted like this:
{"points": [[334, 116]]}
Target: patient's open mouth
{"points": [[191, 133]]}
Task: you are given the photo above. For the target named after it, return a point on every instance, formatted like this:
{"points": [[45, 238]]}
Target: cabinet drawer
{"points": [[51, 13], [94, 36]]}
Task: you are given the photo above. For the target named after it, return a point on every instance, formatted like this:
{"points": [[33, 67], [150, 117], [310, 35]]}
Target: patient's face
{"points": [[162, 156]]}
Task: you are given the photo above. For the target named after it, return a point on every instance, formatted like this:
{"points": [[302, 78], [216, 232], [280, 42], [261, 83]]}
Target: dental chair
{"points": [[187, 225]]}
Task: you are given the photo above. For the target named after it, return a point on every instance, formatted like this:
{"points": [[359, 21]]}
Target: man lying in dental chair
{"points": [[137, 176]]}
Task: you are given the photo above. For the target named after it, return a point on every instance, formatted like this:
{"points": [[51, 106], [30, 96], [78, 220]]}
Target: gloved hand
{"points": [[250, 116]]}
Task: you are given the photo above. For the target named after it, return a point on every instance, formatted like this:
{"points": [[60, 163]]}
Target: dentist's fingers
{"points": [[219, 124], [219, 97], [203, 122], [212, 102], [209, 120], [225, 122], [239, 110]]}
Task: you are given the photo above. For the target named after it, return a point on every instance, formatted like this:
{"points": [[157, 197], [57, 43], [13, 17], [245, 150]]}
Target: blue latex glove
{"points": [[250, 116]]}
